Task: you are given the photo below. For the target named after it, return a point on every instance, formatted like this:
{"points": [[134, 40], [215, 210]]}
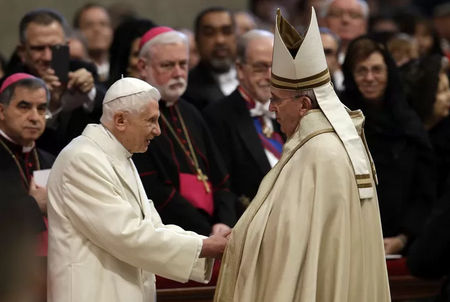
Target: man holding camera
{"points": [[75, 97]]}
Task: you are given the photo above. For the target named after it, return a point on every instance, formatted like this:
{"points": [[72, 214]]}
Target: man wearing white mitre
{"points": [[106, 240], [313, 231]]}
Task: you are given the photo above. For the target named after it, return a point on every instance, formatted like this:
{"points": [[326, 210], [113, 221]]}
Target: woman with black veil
{"points": [[124, 51], [399, 145]]}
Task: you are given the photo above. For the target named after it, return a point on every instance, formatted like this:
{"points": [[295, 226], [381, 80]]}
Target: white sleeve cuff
{"points": [[203, 267]]}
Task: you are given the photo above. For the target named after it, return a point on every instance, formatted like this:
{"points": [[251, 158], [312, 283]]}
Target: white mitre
{"points": [[127, 87], [299, 64]]}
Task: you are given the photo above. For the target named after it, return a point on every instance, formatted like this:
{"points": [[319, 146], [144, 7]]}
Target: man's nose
{"points": [[47, 54], [220, 38], [33, 115], [271, 107], [157, 130], [177, 71]]}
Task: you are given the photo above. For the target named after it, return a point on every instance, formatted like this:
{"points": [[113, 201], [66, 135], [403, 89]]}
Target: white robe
{"points": [[307, 236], [106, 240]]}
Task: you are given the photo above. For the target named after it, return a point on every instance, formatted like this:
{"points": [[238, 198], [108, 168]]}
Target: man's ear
{"points": [[21, 52], [2, 112], [119, 121], [239, 71], [306, 105], [141, 66]]}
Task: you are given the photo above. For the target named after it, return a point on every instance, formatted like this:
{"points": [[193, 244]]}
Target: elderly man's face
{"points": [[166, 69], [96, 27], [141, 128], [36, 52], [288, 109], [23, 120], [346, 19], [330, 47], [216, 41], [254, 74]]}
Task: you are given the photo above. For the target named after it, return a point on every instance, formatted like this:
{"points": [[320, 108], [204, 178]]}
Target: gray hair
{"points": [[245, 39], [171, 37], [132, 104], [362, 3], [310, 95], [29, 83]]}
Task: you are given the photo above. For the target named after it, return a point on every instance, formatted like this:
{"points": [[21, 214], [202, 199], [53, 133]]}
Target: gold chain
{"points": [[191, 155], [17, 161]]}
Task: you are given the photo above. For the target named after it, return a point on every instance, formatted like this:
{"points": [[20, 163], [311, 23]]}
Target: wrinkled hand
{"points": [[40, 194], [214, 246], [393, 245], [81, 80], [54, 86], [220, 228]]}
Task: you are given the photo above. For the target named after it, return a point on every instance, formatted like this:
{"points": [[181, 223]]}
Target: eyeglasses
{"points": [[278, 100], [377, 71], [329, 52], [169, 66], [260, 67], [340, 13]]}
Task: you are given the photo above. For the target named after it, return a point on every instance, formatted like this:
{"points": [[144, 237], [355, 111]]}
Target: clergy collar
{"points": [[24, 149], [167, 103], [122, 150]]}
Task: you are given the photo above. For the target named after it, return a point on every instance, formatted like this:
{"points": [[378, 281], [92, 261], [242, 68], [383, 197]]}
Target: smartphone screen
{"points": [[60, 62]]}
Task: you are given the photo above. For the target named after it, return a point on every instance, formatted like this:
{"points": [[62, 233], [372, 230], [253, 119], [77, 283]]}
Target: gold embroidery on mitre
{"points": [[301, 84]]}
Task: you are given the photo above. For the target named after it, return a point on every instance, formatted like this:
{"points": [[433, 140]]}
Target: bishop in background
{"points": [[313, 231], [183, 169]]}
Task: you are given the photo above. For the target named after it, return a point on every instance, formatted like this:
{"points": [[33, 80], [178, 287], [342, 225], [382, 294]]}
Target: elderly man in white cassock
{"points": [[106, 240], [313, 232]]}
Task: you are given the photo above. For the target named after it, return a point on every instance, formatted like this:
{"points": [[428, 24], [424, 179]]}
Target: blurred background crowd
{"points": [[387, 58]]}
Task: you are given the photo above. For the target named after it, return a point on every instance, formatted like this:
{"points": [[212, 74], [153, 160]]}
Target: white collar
{"points": [[24, 149]]}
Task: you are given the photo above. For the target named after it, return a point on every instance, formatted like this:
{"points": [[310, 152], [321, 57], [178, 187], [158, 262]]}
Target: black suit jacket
{"points": [[233, 129], [203, 89], [70, 123]]}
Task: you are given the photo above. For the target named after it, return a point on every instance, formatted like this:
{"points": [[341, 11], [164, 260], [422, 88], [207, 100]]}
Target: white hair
{"points": [[246, 38], [171, 37], [362, 3], [133, 104], [309, 94]]}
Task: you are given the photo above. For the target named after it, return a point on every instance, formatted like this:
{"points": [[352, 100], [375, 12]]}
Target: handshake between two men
{"points": [[214, 246]]}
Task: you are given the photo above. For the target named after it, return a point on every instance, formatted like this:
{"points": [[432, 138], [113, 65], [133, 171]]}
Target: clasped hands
{"points": [[214, 246]]}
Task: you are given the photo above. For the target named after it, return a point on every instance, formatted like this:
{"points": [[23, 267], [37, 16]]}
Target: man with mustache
{"points": [[182, 170], [215, 76], [23, 106], [247, 133]]}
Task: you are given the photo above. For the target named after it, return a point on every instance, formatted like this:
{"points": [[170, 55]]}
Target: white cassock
{"points": [[307, 236], [106, 240]]}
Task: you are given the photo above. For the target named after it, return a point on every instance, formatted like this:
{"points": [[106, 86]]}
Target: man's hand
{"points": [[393, 245], [55, 87], [214, 246], [40, 194], [81, 80], [220, 228]]}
